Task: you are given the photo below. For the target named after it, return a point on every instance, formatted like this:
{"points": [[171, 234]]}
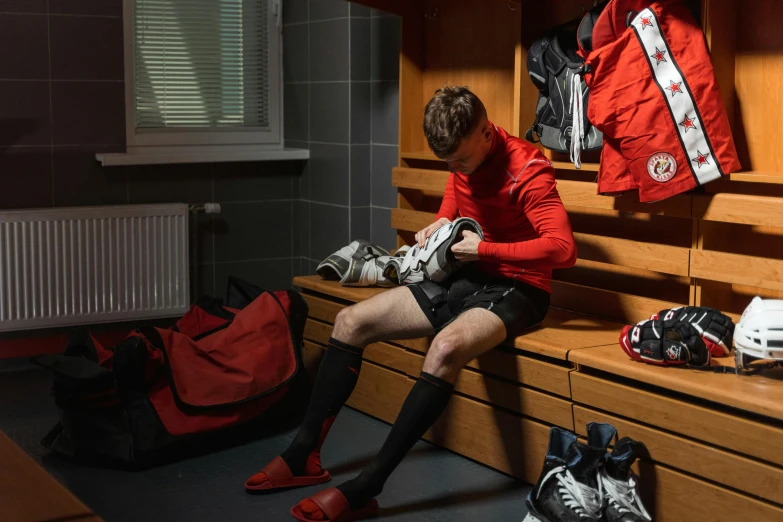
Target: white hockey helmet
{"points": [[759, 333]]}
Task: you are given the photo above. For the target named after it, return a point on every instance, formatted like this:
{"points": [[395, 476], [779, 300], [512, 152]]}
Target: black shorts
{"points": [[519, 305]]}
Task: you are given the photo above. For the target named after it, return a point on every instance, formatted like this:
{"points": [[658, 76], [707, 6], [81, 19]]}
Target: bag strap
{"points": [[534, 129]]}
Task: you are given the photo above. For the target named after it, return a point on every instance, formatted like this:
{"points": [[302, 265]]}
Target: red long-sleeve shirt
{"points": [[513, 196]]}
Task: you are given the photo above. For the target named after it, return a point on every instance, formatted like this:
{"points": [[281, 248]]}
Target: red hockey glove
{"points": [[715, 328], [665, 343]]}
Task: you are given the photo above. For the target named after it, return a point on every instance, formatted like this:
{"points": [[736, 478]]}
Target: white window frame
{"points": [[149, 146]]}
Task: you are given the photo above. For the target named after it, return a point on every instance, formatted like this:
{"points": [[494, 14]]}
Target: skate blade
{"points": [[532, 518]]}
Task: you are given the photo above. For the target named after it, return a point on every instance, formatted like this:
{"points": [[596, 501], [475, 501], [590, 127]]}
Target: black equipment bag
{"points": [[227, 372], [552, 64]]}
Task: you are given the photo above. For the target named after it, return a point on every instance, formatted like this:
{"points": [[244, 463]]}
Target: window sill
{"points": [[151, 158]]}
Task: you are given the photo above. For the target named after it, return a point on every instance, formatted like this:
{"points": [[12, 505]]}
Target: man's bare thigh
{"points": [[393, 314]]}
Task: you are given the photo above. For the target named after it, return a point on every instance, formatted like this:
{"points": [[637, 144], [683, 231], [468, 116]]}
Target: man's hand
{"points": [[467, 249], [422, 235]]}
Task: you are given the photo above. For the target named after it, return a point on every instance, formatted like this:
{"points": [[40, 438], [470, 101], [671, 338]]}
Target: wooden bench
{"points": [[716, 434], [711, 438], [506, 400]]}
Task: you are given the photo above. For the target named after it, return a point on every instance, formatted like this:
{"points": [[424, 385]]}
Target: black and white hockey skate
{"points": [[568, 489], [618, 482]]}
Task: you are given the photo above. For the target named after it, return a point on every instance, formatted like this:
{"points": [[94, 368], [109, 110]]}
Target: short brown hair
{"points": [[450, 116]]}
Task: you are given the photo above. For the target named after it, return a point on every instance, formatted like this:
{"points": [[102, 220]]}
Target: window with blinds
{"points": [[205, 65]]}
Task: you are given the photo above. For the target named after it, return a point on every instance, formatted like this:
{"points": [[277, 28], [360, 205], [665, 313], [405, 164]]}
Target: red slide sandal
{"points": [[334, 505], [277, 474]]}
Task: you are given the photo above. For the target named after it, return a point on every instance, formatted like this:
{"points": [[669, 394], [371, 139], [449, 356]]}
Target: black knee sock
{"points": [[421, 409], [336, 379]]}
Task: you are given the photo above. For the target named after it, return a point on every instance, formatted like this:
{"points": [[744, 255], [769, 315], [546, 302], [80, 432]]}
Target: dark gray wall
{"points": [[62, 100], [341, 70]]}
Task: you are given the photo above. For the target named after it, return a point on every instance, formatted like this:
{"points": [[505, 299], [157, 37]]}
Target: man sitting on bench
{"points": [[506, 185]]}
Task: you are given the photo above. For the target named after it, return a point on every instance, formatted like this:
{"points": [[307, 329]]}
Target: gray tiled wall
{"points": [[343, 63], [385, 42], [62, 100]]}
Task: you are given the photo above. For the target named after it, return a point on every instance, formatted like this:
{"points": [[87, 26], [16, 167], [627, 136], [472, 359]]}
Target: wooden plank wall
{"points": [[634, 258]]}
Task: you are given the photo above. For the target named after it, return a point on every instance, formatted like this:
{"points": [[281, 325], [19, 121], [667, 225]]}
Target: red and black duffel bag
{"points": [[218, 375]]}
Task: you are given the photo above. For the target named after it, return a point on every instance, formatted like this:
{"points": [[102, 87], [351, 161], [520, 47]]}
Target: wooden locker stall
{"points": [[711, 437]]}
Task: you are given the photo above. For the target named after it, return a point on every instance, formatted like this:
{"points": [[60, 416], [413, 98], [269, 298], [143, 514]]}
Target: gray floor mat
{"points": [[430, 485]]}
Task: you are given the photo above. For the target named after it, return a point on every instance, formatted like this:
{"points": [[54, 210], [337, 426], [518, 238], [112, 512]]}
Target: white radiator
{"points": [[70, 266]]}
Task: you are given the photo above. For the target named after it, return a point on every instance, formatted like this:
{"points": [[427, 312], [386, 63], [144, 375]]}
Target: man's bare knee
{"points": [[444, 358], [350, 328]]}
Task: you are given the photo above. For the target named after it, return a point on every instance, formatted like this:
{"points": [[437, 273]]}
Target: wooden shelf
{"points": [[758, 177], [560, 165], [567, 165], [744, 177], [655, 257], [739, 208], [758, 394], [411, 220], [432, 181], [421, 156], [575, 194]]}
